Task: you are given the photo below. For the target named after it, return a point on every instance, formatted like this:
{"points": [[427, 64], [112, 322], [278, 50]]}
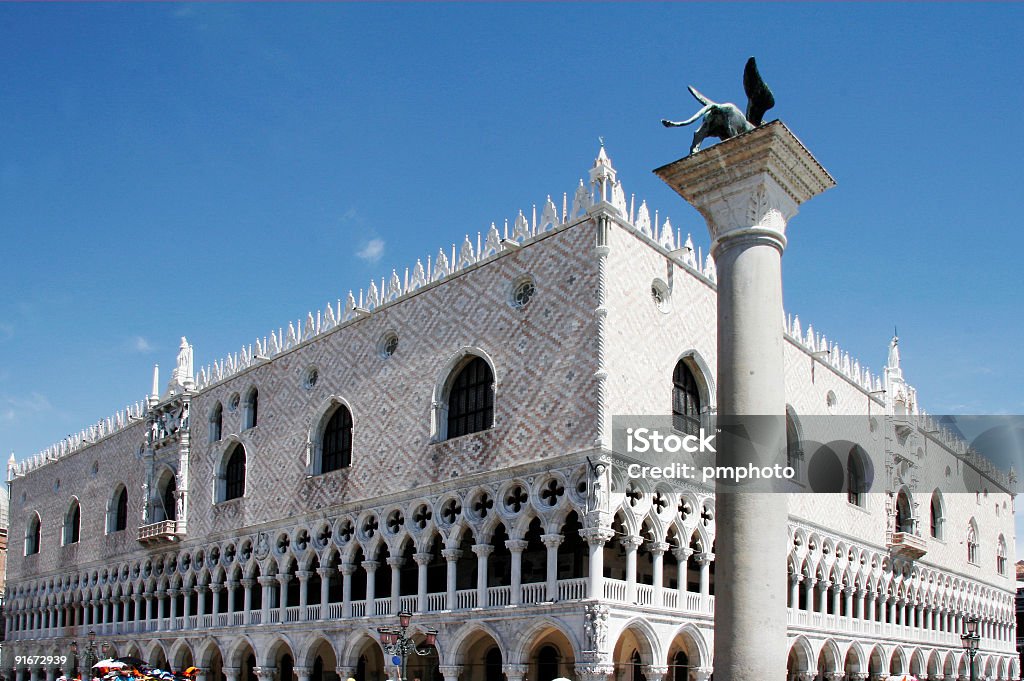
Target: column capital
{"points": [[216, 588], [659, 547], [702, 673], [451, 554], [267, 580], [303, 575], [395, 561], [483, 549], [597, 535], [348, 568], [264, 673], [307, 671], [552, 540], [201, 588], [173, 592], [594, 672], [516, 545], [283, 578], [423, 558], [248, 582], [345, 672], [704, 558], [654, 672], [370, 565], [325, 572], [749, 186], [450, 671], [631, 542], [683, 553]]}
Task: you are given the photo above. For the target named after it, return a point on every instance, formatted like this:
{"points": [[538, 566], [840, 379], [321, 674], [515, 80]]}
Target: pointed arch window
{"points": [[855, 478], [216, 422], [336, 452], [686, 403], [234, 474], [972, 542], [167, 506], [117, 515], [471, 399], [73, 524], [32, 534], [252, 408], [1001, 556], [936, 515], [794, 451]]}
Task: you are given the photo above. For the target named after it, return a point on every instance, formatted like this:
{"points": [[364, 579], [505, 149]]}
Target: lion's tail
{"points": [[691, 119]]}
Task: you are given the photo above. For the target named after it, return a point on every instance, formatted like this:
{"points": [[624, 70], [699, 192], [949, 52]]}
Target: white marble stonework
{"points": [[518, 542]]}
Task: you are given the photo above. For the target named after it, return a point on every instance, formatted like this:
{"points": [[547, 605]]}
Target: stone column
{"points": [[823, 586], [201, 673], [325, 591], [482, 551], [422, 561], [747, 188], [794, 590], [282, 596], [161, 608], [596, 538], [704, 560], [266, 673], [267, 583], [186, 606], [513, 672], [303, 576], [201, 602], [302, 673], [869, 600], [370, 566], [683, 554], [216, 590], [396, 563], [658, 550], [347, 570], [552, 542], [631, 543], [229, 594], [450, 672], [172, 598], [516, 548], [231, 673], [452, 556], [247, 584]]}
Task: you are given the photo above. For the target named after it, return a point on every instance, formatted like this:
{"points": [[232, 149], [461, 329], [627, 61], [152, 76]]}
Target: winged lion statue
{"points": [[726, 120]]}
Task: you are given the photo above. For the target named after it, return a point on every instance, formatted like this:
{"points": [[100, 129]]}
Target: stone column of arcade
{"points": [[747, 188]]}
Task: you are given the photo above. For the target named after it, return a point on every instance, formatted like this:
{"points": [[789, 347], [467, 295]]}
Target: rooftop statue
{"points": [[726, 120]]}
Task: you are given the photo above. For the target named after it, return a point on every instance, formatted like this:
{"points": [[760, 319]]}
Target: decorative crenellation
{"points": [[72, 443]]}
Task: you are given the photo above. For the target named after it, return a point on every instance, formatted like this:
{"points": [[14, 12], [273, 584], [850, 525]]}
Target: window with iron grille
{"points": [[337, 442], [685, 400], [471, 399], [234, 474]]}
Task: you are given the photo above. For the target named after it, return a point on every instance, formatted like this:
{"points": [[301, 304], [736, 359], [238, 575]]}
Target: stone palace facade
{"points": [[438, 443]]}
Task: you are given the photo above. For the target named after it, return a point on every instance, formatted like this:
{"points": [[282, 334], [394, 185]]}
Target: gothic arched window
{"points": [[471, 399], [1001, 556], [685, 400], [252, 407], [936, 515], [117, 513], [73, 523], [972, 542], [234, 474], [794, 452], [32, 534], [216, 422], [336, 451], [855, 478]]}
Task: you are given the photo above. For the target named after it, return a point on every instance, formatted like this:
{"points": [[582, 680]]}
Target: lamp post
{"points": [[394, 642], [89, 652], [970, 639]]}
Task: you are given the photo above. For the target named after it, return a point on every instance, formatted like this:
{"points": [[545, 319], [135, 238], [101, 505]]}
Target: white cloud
{"points": [[372, 251], [13, 408], [140, 344]]}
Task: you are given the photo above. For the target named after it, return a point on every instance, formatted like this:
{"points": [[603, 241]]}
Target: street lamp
{"points": [[970, 639], [394, 642], [90, 652]]}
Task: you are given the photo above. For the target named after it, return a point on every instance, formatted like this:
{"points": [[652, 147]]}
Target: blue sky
{"points": [[216, 170]]}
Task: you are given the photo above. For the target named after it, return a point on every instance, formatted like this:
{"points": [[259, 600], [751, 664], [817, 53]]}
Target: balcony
{"points": [[906, 545], [158, 533]]}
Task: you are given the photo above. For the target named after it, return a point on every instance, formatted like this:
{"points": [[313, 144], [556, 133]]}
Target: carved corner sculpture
{"points": [[726, 120]]}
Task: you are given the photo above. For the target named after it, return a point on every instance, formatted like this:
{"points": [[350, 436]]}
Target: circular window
{"points": [[388, 344], [522, 293], [660, 294], [234, 401], [312, 376]]}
